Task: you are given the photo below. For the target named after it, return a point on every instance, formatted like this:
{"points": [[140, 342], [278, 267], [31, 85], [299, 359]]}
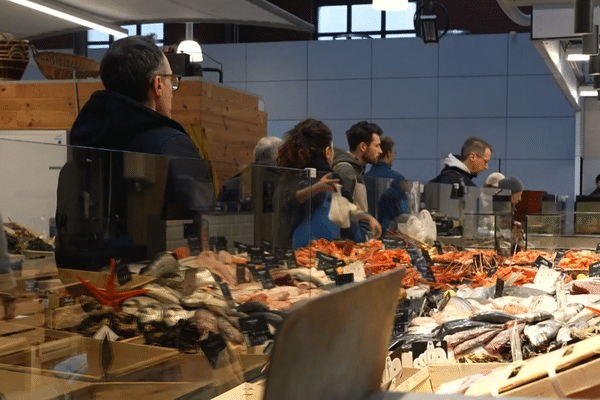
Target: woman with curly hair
{"points": [[307, 201]]}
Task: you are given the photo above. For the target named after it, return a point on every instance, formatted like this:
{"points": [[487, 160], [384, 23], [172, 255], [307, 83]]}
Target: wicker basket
{"points": [[55, 65], [14, 57]]}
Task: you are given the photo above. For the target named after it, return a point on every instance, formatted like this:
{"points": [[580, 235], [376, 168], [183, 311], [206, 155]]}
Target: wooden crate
{"points": [[127, 358], [23, 385]]}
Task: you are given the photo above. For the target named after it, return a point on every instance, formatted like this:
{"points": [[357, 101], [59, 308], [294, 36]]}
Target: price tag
{"points": [[343, 279], [542, 261], [598, 248], [559, 255], [438, 247], [240, 273], [32, 286], [290, 260], [327, 264], [240, 248], [212, 348], [255, 330], [270, 261], [499, 288], [400, 321], [491, 272], [390, 243], [123, 273], [225, 290], [256, 254], [418, 261], [263, 276], [267, 246], [594, 269]]}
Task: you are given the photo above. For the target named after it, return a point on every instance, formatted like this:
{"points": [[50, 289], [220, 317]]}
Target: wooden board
{"points": [[19, 385], [232, 119]]}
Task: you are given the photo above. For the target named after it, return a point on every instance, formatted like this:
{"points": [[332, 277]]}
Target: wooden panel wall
{"points": [[230, 121]]}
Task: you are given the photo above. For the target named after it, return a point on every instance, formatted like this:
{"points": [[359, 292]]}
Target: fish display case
{"points": [[566, 230], [139, 283]]}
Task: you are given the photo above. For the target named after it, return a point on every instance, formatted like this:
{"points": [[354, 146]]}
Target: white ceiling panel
{"points": [[24, 23]]}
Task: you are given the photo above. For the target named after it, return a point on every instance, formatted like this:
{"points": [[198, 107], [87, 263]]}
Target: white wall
{"points": [[428, 98]]}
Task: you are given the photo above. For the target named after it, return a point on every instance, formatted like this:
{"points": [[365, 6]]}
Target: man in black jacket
{"points": [[475, 155], [133, 114]]}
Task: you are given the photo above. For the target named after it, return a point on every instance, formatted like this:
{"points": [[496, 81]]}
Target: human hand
{"points": [[373, 223], [325, 184]]}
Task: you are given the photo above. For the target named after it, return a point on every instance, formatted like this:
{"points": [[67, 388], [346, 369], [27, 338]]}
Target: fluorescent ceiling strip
{"points": [[69, 16], [578, 57], [588, 91]]}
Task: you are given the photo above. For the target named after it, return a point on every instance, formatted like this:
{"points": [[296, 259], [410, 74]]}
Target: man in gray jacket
{"points": [[364, 143]]}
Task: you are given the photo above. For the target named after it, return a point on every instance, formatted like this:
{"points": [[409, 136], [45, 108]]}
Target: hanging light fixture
{"points": [[594, 65], [426, 22], [189, 45], [589, 42], [584, 16], [390, 5]]}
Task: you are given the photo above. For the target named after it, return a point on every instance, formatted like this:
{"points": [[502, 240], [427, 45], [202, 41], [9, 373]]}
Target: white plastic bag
{"points": [[429, 228], [340, 210]]}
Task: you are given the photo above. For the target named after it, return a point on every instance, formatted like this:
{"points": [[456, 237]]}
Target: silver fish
{"points": [[541, 334], [133, 304], [163, 263], [202, 298], [164, 294], [150, 313], [174, 313]]}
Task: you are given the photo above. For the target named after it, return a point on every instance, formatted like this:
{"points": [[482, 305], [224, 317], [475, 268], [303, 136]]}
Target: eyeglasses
{"points": [[485, 161], [175, 79]]}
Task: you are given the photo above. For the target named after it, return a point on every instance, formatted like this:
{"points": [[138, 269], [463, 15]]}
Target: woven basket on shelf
{"points": [[14, 57], [55, 65]]}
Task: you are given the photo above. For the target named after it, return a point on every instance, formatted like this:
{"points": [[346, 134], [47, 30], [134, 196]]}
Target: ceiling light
{"points": [[426, 22], [189, 45], [75, 16], [192, 48], [390, 5], [578, 57], [587, 91]]}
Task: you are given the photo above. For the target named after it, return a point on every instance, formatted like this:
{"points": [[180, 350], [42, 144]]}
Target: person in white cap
{"points": [[493, 179]]}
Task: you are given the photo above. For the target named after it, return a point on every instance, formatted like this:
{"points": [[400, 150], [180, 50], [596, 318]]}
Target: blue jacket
{"points": [[387, 198]]}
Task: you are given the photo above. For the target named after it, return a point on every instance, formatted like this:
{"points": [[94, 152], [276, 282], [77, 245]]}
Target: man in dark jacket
{"points": [[475, 155], [133, 114]]}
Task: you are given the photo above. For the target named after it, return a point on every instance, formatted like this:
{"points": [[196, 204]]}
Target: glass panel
{"points": [[400, 35], [131, 29], [332, 19], [365, 18], [401, 20]]}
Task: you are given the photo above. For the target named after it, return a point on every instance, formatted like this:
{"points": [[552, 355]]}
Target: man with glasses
{"points": [[132, 115], [475, 156]]}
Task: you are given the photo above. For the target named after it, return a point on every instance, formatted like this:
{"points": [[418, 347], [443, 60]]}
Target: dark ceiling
{"points": [[474, 16]]}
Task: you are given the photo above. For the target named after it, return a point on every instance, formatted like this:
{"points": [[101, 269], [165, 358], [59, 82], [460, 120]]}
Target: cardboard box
{"points": [[573, 371], [430, 378]]}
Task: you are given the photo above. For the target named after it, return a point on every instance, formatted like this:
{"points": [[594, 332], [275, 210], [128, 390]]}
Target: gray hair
{"points": [[267, 149], [474, 145]]}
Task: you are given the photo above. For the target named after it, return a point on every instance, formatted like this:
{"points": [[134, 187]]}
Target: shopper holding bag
{"points": [[307, 201]]}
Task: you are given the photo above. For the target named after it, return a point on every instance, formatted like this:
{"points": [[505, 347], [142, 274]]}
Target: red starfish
{"points": [[109, 296]]}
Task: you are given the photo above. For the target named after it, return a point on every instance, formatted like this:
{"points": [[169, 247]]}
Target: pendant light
{"points": [[189, 45]]}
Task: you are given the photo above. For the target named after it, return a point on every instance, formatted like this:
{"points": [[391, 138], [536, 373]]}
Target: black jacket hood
{"points": [[110, 120]]}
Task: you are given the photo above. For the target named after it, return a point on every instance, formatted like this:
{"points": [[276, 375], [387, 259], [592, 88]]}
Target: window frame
{"points": [[383, 32]]}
